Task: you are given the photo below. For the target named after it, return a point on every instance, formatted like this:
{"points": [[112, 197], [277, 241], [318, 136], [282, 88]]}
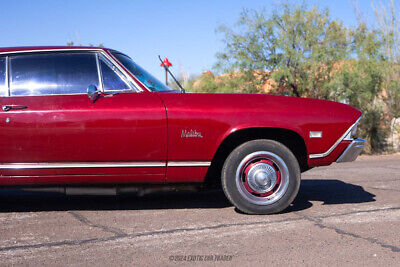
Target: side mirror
{"points": [[93, 93]]}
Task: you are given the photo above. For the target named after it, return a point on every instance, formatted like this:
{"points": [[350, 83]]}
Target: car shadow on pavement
{"points": [[329, 192], [326, 191], [24, 201]]}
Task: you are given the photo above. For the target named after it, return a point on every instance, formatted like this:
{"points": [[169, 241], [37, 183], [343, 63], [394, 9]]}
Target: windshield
{"points": [[146, 78]]}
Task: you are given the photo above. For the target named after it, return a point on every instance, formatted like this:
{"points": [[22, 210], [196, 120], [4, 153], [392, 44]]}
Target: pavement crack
{"points": [[374, 181], [135, 235], [318, 222], [61, 243], [385, 189], [356, 212], [86, 221], [118, 234]]}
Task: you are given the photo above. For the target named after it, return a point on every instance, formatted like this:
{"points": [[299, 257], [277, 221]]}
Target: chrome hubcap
{"points": [[262, 178]]}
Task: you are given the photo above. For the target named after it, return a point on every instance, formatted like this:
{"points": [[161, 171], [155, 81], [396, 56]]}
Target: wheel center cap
{"points": [[262, 177]]}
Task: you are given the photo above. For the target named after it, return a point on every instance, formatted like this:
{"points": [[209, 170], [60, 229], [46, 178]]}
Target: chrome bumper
{"points": [[352, 151]]}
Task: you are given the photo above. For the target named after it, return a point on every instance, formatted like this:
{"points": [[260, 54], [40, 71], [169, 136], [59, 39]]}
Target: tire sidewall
{"points": [[229, 176]]}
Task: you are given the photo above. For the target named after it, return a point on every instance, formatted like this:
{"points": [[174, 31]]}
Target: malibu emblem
{"points": [[191, 134]]}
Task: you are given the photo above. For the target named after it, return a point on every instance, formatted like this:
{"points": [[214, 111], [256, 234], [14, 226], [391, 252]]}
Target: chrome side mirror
{"points": [[92, 92]]}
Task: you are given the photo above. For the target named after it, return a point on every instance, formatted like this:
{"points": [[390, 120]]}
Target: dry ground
{"points": [[347, 214]]}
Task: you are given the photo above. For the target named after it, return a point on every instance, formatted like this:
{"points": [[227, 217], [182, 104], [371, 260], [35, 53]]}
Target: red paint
{"points": [[186, 174], [81, 179], [331, 157], [217, 116], [125, 127], [148, 126]]}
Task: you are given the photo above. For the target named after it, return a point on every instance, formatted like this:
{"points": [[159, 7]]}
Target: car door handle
{"points": [[13, 107]]}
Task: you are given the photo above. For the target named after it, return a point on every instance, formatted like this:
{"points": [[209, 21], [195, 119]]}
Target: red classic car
{"points": [[85, 117]]}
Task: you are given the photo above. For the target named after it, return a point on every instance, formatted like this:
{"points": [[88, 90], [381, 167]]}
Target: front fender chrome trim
{"points": [[329, 151], [189, 163]]}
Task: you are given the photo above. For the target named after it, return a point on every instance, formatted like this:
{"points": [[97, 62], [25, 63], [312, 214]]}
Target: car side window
{"points": [[112, 78], [52, 74], [3, 85]]}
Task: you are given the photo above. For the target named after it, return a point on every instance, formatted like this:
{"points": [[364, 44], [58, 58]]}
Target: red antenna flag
{"points": [[166, 63]]}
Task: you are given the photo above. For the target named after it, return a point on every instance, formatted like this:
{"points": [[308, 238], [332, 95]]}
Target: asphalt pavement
{"points": [[345, 214]]}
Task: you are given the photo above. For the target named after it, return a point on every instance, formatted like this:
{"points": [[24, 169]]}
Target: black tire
{"points": [[287, 168]]}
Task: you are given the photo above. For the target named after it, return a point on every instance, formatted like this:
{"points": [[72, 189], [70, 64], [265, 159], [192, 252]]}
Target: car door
{"points": [[52, 133]]}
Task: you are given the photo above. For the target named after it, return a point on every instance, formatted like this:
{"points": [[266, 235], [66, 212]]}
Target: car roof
{"points": [[47, 48]]}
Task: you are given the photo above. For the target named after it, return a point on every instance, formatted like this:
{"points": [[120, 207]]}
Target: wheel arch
{"points": [[291, 139]]}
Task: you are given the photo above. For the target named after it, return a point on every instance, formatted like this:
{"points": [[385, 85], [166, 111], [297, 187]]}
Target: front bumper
{"points": [[352, 151]]}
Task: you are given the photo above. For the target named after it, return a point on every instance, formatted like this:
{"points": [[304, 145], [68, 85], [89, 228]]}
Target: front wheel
{"points": [[261, 177]]}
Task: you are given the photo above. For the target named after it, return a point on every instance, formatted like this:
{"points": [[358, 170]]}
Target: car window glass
{"points": [[52, 74], [3, 86], [111, 80], [145, 77]]}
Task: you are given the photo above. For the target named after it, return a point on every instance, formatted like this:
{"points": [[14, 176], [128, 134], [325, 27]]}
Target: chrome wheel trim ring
{"points": [[278, 193]]}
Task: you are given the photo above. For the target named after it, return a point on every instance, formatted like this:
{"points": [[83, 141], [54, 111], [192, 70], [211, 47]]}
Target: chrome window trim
{"points": [[136, 87], [51, 50], [7, 83], [9, 72], [189, 163], [46, 51], [46, 95], [99, 74], [329, 151], [111, 53], [128, 75], [120, 75]]}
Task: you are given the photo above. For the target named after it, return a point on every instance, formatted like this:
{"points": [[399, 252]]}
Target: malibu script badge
{"points": [[191, 134]]}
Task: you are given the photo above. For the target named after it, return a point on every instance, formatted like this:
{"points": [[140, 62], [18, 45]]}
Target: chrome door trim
{"points": [[68, 165], [189, 163], [323, 155]]}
